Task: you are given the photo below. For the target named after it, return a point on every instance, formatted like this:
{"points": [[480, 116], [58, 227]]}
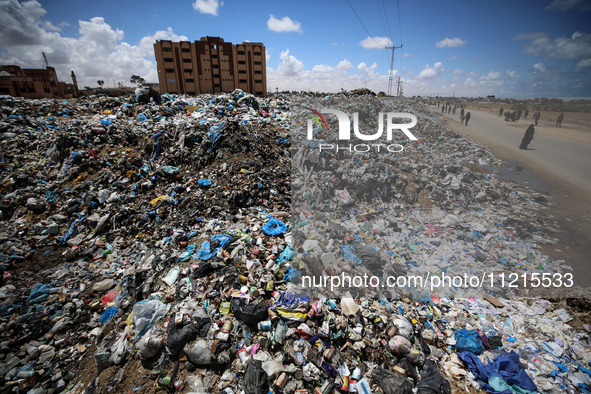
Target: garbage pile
{"points": [[151, 246]]}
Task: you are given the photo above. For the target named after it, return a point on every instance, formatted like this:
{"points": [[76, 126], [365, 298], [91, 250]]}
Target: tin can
{"points": [[265, 325], [356, 375], [254, 291], [326, 387], [298, 374], [329, 354], [243, 355], [227, 326], [399, 370], [242, 279], [345, 386], [301, 392], [352, 386], [392, 331], [298, 357], [270, 285], [281, 381], [223, 336]]}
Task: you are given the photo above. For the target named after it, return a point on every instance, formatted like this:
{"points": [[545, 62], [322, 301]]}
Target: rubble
{"points": [[161, 245]]}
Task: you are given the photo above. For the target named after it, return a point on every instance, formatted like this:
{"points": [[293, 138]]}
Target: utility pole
{"points": [[398, 87], [391, 68]]}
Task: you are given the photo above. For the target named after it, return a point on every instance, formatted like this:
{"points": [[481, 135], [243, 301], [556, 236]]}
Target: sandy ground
{"points": [[572, 204]]}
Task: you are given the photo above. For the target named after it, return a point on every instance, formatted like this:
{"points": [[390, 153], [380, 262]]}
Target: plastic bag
{"points": [[109, 297], [119, 348], [150, 344], [431, 380], [390, 383], [399, 344], [404, 327], [249, 314], [468, 341], [177, 337], [108, 314], [255, 378], [292, 305], [199, 352], [274, 227], [344, 197], [147, 312]]}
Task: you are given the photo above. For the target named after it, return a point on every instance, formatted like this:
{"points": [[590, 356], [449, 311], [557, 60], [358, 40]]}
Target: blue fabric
{"points": [[108, 315], [347, 253], [468, 341], [204, 182], [215, 134], [505, 367], [274, 227], [205, 253]]}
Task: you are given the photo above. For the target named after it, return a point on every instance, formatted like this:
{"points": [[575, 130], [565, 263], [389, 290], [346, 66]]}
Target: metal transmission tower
{"points": [[391, 69], [398, 87]]}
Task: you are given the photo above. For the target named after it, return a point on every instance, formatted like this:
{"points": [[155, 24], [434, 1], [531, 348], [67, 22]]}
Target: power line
{"points": [[386, 13], [382, 17], [359, 19], [399, 24]]}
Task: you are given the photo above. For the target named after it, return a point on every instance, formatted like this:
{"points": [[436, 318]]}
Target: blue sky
{"points": [[467, 48]]}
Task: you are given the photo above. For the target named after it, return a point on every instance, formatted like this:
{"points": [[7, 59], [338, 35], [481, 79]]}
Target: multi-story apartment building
{"points": [[211, 65]]}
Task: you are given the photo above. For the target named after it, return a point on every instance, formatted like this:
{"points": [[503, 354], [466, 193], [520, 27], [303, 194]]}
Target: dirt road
{"points": [[563, 163]]}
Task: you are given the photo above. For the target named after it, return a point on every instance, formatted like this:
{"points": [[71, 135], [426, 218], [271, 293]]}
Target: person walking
{"points": [[527, 137], [537, 117], [559, 120], [467, 118], [501, 111], [525, 113]]}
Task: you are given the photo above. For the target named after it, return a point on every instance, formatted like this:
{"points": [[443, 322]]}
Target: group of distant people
{"points": [[516, 115]]}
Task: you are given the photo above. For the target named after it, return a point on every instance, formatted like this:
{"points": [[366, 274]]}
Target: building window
{"points": [[258, 81], [241, 52], [168, 59], [216, 85], [241, 62], [214, 56], [186, 49], [186, 60], [241, 71], [258, 93], [188, 70], [256, 53], [258, 72], [169, 70], [189, 80], [216, 75], [215, 66], [191, 93], [257, 63], [166, 49], [242, 80]]}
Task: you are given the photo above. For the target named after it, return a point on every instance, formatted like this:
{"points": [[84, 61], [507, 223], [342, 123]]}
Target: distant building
{"points": [[211, 66], [33, 83]]}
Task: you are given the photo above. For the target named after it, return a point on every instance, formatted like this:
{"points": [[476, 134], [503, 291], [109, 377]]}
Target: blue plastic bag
{"points": [[204, 182], [274, 227], [468, 341], [108, 315], [205, 253]]}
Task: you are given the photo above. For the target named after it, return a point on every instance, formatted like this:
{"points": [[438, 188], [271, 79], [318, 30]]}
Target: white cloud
{"points": [[364, 69], [268, 55], [540, 67], [407, 55], [575, 47], [210, 7], [583, 64], [453, 58], [376, 42], [567, 5], [289, 66], [431, 73], [491, 76], [47, 25], [98, 52], [450, 42], [472, 74], [283, 25], [511, 73], [344, 65], [457, 71]]}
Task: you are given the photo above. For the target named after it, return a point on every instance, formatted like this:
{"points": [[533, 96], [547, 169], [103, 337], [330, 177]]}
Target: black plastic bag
{"points": [[390, 383], [255, 378], [177, 338], [249, 314], [431, 380]]}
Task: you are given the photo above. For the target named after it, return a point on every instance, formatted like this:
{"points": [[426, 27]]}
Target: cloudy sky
{"points": [[468, 48]]}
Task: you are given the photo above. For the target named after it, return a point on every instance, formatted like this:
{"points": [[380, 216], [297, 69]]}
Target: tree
{"points": [[100, 82], [137, 80]]}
